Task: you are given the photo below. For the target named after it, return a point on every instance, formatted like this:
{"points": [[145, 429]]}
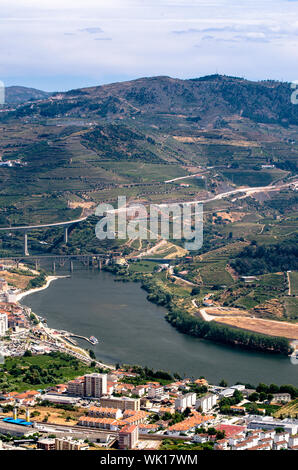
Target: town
{"points": [[125, 407], [108, 410]]}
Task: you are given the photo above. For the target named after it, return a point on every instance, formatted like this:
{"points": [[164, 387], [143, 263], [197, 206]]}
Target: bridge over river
{"points": [[29, 228]]}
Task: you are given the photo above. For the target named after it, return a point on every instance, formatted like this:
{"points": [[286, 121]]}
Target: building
{"points": [[3, 285], [155, 391], [64, 443], [148, 428], [207, 402], [268, 422], [227, 392], [95, 385], [189, 424], [100, 412], [135, 417], [238, 387], [293, 442], [128, 437], [46, 444], [3, 324], [282, 397], [61, 399], [123, 403], [185, 401], [109, 424], [139, 390], [76, 387], [16, 321]]}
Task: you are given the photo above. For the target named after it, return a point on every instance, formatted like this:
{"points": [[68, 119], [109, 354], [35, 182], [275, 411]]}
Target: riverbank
{"points": [[77, 351], [49, 279], [132, 330], [185, 322]]}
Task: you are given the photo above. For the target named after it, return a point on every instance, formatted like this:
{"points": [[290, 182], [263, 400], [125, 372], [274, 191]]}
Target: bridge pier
{"points": [[66, 235], [26, 252]]}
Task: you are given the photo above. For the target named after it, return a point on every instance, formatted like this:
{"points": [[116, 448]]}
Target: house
{"points": [[201, 382], [201, 438], [139, 390], [246, 443], [280, 445], [265, 446], [222, 444], [134, 417], [230, 430], [189, 424], [281, 437], [238, 409], [165, 409], [29, 397], [102, 412], [269, 434], [293, 442], [148, 428], [281, 397], [101, 423]]}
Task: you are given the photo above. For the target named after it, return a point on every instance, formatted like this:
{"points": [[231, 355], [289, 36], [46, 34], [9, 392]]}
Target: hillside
{"points": [[203, 100], [73, 150], [165, 140], [20, 94]]}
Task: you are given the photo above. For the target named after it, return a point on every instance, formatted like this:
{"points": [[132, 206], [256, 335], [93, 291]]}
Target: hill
{"points": [[204, 100], [75, 149], [20, 94]]}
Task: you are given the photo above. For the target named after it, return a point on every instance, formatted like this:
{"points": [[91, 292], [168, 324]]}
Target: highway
{"points": [[34, 227], [247, 191]]}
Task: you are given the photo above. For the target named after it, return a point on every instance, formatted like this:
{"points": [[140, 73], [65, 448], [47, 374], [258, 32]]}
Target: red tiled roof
{"points": [[230, 430]]}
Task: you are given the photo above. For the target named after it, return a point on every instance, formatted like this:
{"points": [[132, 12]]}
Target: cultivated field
{"points": [[294, 282], [258, 325], [288, 410]]}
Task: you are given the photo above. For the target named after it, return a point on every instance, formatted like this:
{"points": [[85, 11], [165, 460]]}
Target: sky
{"points": [[65, 44]]}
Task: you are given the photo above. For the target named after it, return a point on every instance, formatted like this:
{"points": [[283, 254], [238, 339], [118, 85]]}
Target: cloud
{"points": [[91, 30], [182, 38]]}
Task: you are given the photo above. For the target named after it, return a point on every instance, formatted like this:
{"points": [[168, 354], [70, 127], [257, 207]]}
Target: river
{"points": [[132, 330]]}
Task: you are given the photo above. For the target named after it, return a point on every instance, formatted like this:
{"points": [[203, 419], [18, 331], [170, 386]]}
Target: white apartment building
{"points": [[185, 401], [207, 402], [3, 324], [155, 391]]}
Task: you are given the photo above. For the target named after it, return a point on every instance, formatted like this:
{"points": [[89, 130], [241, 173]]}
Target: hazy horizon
{"points": [[138, 78]]}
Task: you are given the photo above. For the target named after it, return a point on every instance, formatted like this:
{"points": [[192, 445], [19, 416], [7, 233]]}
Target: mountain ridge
{"points": [[205, 98]]}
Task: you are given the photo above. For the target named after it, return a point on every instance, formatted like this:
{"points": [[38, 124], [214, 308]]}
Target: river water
{"points": [[132, 330]]}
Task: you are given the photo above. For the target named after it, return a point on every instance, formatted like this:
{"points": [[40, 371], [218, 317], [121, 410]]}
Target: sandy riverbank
{"points": [[49, 279]]}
